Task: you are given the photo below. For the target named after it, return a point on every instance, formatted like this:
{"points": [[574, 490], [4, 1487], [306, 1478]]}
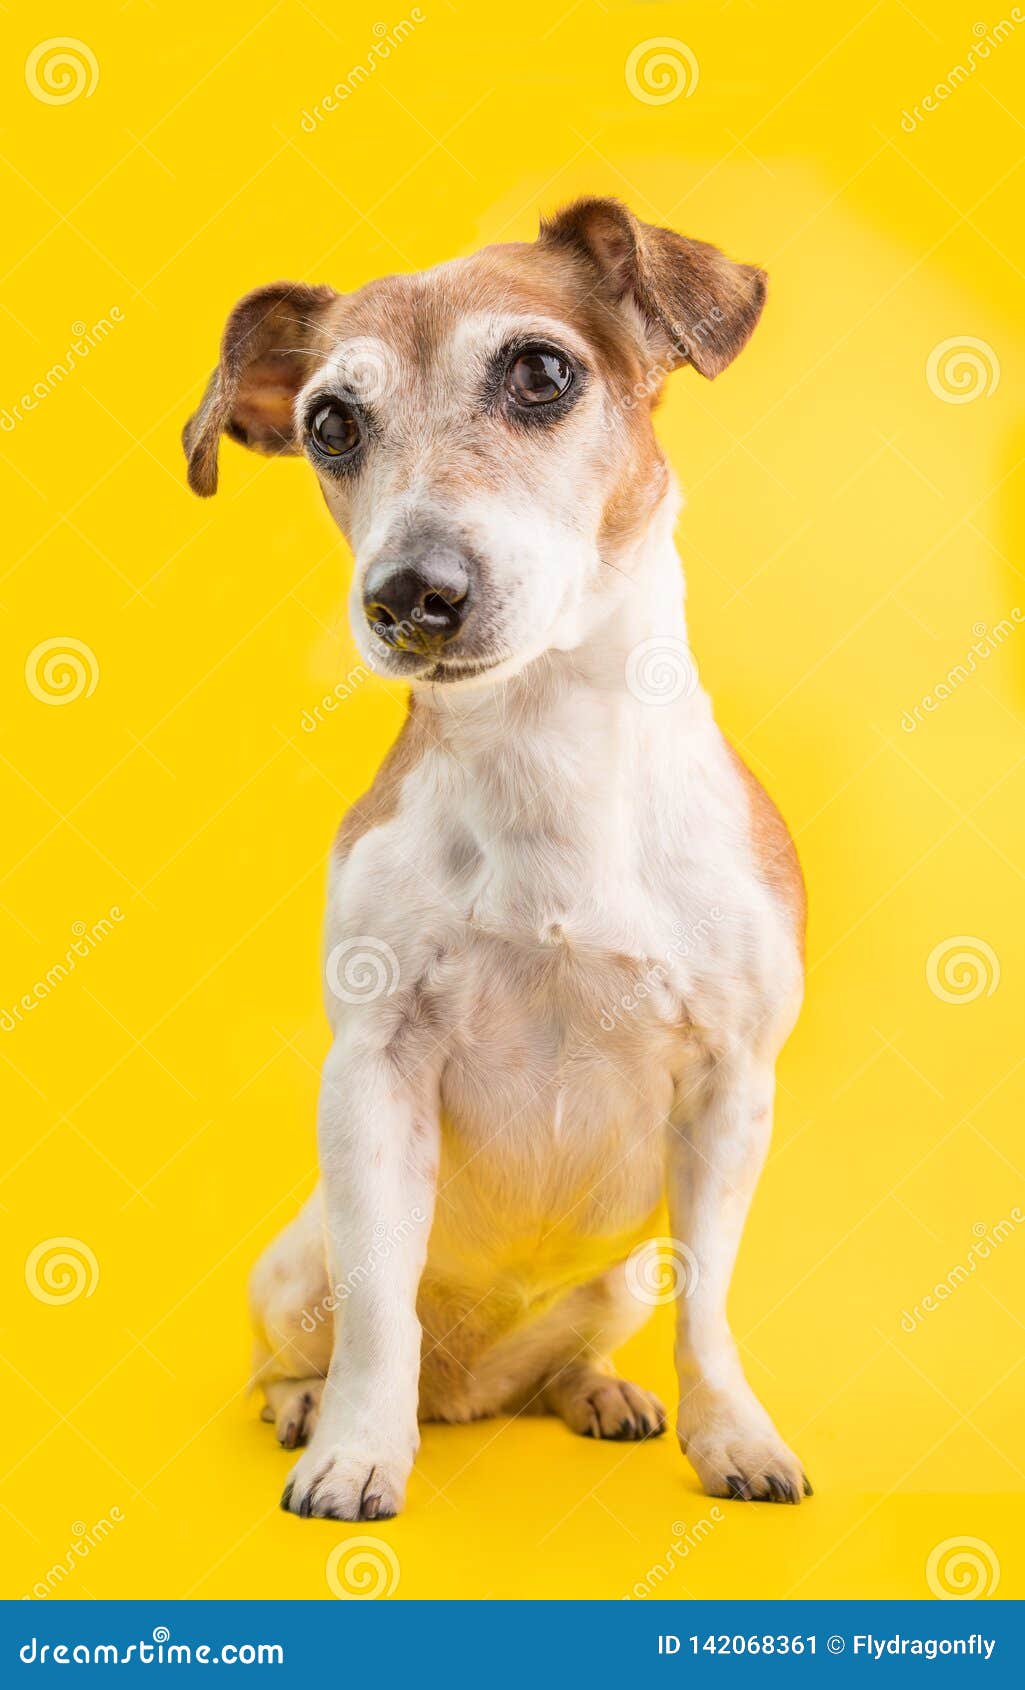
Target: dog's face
{"points": [[482, 432]]}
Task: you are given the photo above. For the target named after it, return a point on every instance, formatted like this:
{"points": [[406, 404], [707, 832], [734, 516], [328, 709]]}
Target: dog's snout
{"points": [[417, 606]]}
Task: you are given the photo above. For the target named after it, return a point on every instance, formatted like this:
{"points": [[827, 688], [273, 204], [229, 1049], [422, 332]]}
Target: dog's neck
{"points": [[572, 760], [569, 776]]}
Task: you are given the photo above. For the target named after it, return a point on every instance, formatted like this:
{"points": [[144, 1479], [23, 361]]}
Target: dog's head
{"points": [[482, 431]]}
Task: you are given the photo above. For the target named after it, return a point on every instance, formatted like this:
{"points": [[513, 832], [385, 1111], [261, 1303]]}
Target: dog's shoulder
{"points": [[774, 850], [381, 801]]}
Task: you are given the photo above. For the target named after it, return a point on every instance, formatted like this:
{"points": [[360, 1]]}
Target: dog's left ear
{"points": [[271, 343], [695, 305]]}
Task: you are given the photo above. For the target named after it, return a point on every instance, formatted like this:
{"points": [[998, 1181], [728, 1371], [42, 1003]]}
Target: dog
{"points": [[565, 927]]}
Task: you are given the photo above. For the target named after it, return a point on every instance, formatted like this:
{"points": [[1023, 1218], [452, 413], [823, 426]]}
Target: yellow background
{"points": [[848, 532]]}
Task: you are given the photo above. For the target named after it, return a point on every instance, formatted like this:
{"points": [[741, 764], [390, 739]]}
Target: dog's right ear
{"points": [[272, 341]]}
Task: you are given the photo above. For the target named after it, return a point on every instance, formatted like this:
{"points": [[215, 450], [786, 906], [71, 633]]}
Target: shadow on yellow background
{"points": [[853, 532]]}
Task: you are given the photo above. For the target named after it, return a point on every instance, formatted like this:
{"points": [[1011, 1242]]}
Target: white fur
{"points": [[494, 1112]]}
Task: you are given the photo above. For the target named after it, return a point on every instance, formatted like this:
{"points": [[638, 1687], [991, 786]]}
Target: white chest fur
{"points": [[576, 925]]}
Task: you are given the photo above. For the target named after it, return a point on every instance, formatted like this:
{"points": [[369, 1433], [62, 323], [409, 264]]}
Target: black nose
{"points": [[416, 609]]}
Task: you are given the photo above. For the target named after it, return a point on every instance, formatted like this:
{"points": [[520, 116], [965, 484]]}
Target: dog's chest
{"points": [[566, 999], [553, 1104]]}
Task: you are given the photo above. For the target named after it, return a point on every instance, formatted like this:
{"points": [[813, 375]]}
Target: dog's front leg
{"points": [[718, 1143], [379, 1154]]}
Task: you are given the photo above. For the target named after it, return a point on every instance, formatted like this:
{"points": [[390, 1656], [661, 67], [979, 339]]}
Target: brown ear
{"points": [[272, 341], [696, 305]]}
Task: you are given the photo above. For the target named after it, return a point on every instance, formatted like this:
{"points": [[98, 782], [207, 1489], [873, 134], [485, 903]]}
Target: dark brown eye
{"points": [[335, 430], [536, 378]]}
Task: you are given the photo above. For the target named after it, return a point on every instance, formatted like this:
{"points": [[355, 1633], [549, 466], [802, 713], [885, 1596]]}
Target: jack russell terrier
{"points": [[565, 926]]}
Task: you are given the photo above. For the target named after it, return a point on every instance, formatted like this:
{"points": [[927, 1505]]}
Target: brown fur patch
{"points": [[774, 849], [415, 315], [594, 257], [271, 340], [381, 801], [701, 306]]}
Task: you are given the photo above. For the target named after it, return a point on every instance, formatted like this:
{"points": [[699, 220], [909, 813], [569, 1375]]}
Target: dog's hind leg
{"points": [[598, 1404], [291, 1313], [561, 1364], [585, 1391], [292, 1406]]}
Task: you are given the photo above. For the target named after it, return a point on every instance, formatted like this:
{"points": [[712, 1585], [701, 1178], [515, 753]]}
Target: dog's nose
{"points": [[416, 608]]}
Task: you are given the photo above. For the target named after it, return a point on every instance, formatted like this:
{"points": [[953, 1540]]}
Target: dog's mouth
{"points": [[452, 669], [429, 668]]}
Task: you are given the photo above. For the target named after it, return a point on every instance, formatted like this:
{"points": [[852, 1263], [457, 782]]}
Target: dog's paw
{"points": [[599, 1406], [343, 1483], [292, 1406], [737, 1452]]}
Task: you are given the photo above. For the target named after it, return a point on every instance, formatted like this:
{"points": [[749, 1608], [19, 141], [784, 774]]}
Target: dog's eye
{"points": [[335, 430], [536, 378]]}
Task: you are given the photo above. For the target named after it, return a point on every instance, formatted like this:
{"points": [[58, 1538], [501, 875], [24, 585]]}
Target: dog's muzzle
{"points": [[418, 601]]}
